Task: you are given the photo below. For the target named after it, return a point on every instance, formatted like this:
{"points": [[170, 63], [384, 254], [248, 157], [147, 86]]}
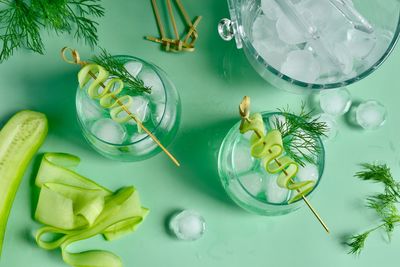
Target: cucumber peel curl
{"points": [[75, 208]]}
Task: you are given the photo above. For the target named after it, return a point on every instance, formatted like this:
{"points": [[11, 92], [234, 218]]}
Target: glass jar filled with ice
{"points": [[246, 179], [314, 43], [159, 111]]}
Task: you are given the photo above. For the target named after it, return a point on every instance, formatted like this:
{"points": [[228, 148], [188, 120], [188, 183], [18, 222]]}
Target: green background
{"points": [[211, 82]]}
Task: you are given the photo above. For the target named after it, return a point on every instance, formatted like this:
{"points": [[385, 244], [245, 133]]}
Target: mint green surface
{"points": [[211, 82]]}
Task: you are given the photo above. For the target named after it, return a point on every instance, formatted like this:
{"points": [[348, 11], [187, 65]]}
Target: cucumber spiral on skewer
{"points": [[269, 148], [107, 96]]}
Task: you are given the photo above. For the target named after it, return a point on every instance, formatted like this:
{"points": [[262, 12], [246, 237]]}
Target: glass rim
{"points": [[321, 169], [316, 86], [156, 70]]}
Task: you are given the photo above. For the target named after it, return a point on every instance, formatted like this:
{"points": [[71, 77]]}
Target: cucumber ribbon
{"points": [[269, 148], [108, 96], [74, 208]]}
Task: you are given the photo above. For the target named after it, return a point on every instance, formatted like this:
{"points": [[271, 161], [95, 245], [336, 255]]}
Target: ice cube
{"points": [[108, 131], [133, 67], [252, 182], [263, 28], [274, 193], [335, 102], [384, 38], [91, 109], [136, 137], [247, 136], [317, 13], [301, 65], [273, 54], [271, 9], [187, 225], [288, 32], [371, 115], [276, 120], [344, 58], [308, 173], [332, 128], [242, 159], [157, 112], [152, 80], [267, 43], [139, 108], [360, 44]]}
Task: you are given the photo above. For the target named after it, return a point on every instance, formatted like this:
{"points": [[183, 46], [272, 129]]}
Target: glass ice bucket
{"points": [[313, 44]]}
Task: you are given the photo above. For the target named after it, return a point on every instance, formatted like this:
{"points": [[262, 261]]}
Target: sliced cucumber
{"points": [[20, 138]]}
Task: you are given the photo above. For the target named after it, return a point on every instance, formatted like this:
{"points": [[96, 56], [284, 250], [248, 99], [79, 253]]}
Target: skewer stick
{"points": [[244, 110], [171, 14], [193, 31], [158, 18], [76, 60], [192, 26], [185, 14]]}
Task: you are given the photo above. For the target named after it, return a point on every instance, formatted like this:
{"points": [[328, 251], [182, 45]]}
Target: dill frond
{"points": [[116, 68], [302, 131], [21, 22]]}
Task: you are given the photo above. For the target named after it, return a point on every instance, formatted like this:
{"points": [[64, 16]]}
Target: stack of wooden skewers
{"points": [[177, 44]]}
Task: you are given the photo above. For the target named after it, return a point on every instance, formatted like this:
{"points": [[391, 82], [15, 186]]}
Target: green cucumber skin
{"points": [[20, 138]]}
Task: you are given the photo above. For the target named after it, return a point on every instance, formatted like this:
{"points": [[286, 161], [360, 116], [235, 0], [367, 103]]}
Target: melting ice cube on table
{"points": [[133, 67], [371, 115], [187, 225], [335, 102], [108, 131], [252, 182], [274, 193]]}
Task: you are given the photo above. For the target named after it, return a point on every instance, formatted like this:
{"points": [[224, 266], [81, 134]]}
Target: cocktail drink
{"points": [[158, 110], [253, 183]]}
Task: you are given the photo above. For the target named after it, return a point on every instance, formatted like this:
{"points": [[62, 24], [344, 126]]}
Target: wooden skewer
{"points": [[185, 14], [76, 60], [158, 19], [175, 45], [193, 31], [244, 110], [192, 26], [171, 15]]}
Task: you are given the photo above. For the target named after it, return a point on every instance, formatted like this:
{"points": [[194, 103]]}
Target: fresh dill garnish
{"points": [[302, 130], [384, 203], [116, 68], [21, 22]]}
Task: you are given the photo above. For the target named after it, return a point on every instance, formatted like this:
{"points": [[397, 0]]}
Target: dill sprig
{"points": [[21, 22], [384, 203], [116, 68], [303, 131]]}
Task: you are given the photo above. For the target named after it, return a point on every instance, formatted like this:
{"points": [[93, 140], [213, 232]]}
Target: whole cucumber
{"points": [[20, 139]]}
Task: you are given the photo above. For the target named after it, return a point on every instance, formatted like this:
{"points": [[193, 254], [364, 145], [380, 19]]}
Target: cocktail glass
{"points": [[249, 184], [159, 112]]}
